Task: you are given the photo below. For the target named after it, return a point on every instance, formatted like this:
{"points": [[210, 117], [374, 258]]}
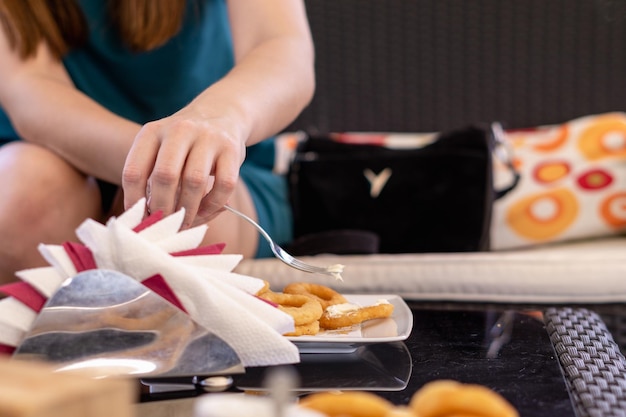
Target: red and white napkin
{"points": [[154, 251]]}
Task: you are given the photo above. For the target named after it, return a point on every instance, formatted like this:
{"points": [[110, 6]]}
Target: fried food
{"points": [[315, 307], [310, 329], [451, 398], [265, 288], [348, 404], [402, 412], [303, 309], [442, 398], [326, 296], [336, 317]]}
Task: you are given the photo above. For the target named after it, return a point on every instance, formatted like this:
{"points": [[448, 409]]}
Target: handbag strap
{"points": [[502, 150]]}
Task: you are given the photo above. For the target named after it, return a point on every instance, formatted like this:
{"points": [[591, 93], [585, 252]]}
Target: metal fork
{"points": [[332, 270]]}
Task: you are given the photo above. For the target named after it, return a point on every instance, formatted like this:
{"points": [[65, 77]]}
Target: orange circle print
{"points": [[555, 141], [546, 139], [605, 137], [543, 216], [551, 171], [613, 210]]}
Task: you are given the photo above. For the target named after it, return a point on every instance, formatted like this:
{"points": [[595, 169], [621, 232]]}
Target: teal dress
{"points": [[147, 86]]}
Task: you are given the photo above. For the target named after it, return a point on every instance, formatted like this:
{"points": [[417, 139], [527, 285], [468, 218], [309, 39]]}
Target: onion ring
{"points": [[330, 320], [309, 329], [325, 295], [303, 309], [349, 403], [447, 398], [440, 398], [402, 411]]}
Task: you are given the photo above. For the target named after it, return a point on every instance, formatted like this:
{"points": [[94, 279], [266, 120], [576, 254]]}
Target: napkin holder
{"points": [[109, 324]]}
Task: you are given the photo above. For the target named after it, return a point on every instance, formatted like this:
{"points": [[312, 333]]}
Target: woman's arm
{"points": [[271, 83], [45, 108], [274, 77]]}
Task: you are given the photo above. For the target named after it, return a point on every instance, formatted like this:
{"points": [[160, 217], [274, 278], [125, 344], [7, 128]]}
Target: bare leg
{"points": [[43, 201]]}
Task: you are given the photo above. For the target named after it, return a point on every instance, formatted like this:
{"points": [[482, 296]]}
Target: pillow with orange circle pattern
{"points": [[572, 186]]}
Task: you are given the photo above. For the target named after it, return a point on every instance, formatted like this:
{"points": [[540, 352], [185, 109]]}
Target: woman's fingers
{"points": [[226, 177], [195, 180], [155, 163], [138, 167], [183, 164], [169, 168]]}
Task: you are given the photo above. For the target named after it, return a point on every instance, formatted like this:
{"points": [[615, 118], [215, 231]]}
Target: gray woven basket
{"points": [[593, 366]]}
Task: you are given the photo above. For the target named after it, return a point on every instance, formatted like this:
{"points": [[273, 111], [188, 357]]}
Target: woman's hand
{"points": [[191, 159], [187, 160]]}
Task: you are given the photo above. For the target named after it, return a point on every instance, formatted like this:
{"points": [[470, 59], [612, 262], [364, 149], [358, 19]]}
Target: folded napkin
{"points": [[154, 251]]}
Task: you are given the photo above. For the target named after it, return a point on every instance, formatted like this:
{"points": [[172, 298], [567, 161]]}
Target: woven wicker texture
{"points": [[615, 320], [592, 363], [430, 65]]}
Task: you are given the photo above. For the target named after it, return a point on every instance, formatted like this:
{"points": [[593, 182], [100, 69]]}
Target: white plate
{"points": [[396, 328]]}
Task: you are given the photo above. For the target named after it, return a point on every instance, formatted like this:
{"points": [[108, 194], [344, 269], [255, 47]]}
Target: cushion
{"points": [[572, 183], [589, 271]]}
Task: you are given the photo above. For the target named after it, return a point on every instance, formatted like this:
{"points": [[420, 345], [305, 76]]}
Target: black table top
{"points": [[506, 350]]}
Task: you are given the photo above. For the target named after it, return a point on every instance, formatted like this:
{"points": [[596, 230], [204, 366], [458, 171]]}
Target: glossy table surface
{"points": [[508, 351]]}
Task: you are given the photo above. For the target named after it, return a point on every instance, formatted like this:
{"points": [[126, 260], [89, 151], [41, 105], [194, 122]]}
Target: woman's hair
{"points": [[142, 24]]}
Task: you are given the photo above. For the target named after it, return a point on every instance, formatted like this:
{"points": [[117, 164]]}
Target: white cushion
{"points": [[592, 271]]}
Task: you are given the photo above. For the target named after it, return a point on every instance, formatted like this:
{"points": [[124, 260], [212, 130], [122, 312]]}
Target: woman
{"points": [[163, 98]]}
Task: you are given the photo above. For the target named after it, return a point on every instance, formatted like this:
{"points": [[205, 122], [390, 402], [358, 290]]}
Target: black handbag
{"points": [[363, 198]]}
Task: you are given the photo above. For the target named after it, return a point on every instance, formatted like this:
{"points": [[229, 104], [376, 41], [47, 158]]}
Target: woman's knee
{"points": [[22, 231], [44, 200]]}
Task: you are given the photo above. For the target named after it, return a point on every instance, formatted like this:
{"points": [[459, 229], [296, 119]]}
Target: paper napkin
{"points": [[154, 251]]}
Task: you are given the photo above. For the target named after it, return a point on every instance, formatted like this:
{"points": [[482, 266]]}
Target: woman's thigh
{"points": [[239, 236], [262, 195]]}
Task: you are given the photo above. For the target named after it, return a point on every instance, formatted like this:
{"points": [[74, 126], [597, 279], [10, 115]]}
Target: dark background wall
{"points": [[429, 65]]}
